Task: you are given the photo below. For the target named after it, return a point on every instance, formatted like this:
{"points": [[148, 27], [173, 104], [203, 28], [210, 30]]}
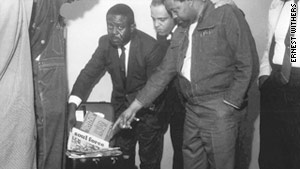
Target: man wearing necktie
{"points": [[279, 82], [129, 56]]}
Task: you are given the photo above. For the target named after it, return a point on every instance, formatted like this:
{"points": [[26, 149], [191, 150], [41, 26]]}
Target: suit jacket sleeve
{"points": [[91, 73]]}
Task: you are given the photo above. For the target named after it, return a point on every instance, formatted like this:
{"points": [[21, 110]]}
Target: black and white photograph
{"points": [[149, 84]]}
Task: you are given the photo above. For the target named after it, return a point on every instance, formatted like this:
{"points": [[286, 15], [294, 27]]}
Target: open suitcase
{"points": [[108, 162]]}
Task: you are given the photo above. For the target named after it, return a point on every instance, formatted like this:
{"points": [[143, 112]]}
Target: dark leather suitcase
{"points": [[103, 107], [95, 163]]}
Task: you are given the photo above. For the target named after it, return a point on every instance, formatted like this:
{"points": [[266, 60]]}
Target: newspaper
{"points": [[92, 138], [85, 145], [84, 142], [97, 126]]}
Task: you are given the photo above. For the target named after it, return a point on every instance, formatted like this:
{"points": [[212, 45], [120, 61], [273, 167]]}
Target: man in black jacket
{"points": [[129, 56]]}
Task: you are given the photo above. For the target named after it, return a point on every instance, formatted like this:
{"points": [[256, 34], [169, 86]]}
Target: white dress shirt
{"points": [[280, 35], [77, 100], [186, 68], [277, 9]]}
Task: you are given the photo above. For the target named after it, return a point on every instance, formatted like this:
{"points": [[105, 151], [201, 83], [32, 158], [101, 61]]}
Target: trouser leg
{"points": [[280, 123], [126, 140], [210, 133], [194, 156], [150, 146], [272, 147], [176, 132]]}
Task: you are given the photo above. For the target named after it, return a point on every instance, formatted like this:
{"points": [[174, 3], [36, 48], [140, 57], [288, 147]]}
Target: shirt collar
{"points": [[127, 46], [209, 7]]}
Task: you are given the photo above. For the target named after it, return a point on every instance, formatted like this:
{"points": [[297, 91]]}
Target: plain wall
{"points": [[86, 23]]}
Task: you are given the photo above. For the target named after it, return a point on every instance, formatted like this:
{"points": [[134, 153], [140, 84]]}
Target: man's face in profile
{"points": [[162, 21], [182, 11], [118, 29]]}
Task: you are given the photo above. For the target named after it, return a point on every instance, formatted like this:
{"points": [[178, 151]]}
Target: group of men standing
{"points": [[210, 79], [194, 77], [199, 70]]}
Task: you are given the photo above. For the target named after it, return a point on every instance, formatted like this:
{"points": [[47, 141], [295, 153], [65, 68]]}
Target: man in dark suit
{"points": [[129, 74]]}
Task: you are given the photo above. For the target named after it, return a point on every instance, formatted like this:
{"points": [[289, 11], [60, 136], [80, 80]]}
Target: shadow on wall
{"points": [[76, 9]]}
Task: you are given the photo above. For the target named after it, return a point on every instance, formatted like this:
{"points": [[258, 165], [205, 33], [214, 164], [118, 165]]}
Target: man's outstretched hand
{"points": [[125, 119]]}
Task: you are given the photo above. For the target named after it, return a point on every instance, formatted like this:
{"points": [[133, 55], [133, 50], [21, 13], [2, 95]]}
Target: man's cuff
{"points": [[138, 102], [142, 100], [230, 104], [75, 99]]}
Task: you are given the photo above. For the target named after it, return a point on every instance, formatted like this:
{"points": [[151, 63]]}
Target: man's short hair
{"points": [[158, 3], [122, 9]]}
